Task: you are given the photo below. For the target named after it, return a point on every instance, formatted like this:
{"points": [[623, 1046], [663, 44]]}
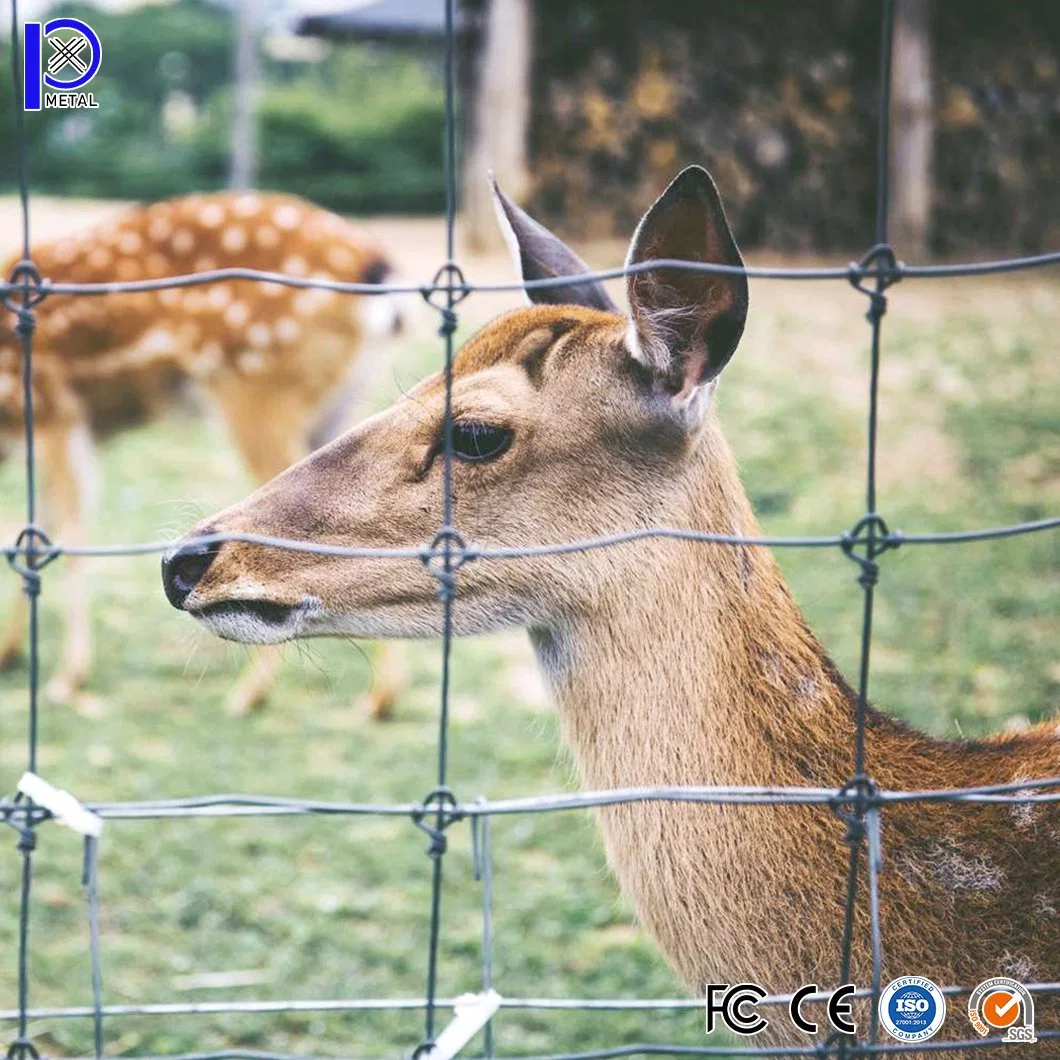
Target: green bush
{"points": [[381, 152]]}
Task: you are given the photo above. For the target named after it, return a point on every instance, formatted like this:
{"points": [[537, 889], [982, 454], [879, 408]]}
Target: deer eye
{"points": [[475, 441]]}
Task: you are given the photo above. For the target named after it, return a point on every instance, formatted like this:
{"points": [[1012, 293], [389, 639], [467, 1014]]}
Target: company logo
{"points": [[73, 58], [1002, 1004], [912, 1009]]}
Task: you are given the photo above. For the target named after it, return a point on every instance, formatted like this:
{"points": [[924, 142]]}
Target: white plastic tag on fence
{"points": [[62, 805], [473, 1012]]}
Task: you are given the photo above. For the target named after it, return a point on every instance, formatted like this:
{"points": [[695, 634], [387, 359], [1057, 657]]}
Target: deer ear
{"points": [[539, 255], [686, 324]]}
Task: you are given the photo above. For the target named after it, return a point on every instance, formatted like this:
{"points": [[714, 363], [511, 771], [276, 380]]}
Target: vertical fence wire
{"points": [[864, 817], [447, 536], [21, 154], [24, 327], [90, 881], [28, 567], [483, 849]]}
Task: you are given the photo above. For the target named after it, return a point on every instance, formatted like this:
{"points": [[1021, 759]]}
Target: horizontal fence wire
{"points": [[553, 1004], [47, 551], [853, 273], [1024, 792], [991, 1044], [859, 800]]}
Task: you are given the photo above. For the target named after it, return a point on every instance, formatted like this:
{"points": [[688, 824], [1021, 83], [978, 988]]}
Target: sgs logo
{"points": [[1003, 1005]]}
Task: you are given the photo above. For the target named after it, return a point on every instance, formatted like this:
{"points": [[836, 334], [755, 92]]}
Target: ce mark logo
{"points": [[736, 1007], [839, 1009]]}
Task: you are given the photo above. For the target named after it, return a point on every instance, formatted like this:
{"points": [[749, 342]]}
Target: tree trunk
{"points": [[500, 124], [912, 128]]}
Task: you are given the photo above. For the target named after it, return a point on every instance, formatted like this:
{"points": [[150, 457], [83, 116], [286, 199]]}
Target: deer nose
{"points": [[184, 569]]}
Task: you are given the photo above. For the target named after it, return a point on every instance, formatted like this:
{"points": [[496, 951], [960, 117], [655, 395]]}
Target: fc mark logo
{"points": [[73, 61]]}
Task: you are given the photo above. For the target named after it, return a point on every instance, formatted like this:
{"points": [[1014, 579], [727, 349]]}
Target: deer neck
{"points": [[697, 667]]}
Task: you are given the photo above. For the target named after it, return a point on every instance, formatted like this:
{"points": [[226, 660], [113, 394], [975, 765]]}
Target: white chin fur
{"points": [[245, 627]]}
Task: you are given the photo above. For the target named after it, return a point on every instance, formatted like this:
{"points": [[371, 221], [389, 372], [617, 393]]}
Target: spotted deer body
{"points": [[278, 361], [672, 662]]}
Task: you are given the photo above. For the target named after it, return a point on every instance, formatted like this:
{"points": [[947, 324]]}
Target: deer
{"points": [[672, 662], [280, 363]]}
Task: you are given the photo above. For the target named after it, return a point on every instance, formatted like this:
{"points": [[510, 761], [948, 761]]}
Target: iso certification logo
{"points": [[912, 1009]]}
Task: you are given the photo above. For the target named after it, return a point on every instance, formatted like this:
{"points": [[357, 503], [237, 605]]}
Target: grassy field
{"points": [[966, 643]]}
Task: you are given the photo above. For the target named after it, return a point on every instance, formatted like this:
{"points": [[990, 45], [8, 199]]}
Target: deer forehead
{"points": [[523, 334], [496, 392], [499, 369]]}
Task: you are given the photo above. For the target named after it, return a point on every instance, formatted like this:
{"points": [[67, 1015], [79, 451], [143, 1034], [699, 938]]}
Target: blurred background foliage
{"points": [[779, 101], [162, 127]]}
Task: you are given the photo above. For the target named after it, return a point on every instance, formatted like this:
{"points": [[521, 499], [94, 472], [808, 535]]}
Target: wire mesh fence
{"points": [[860, 802]]}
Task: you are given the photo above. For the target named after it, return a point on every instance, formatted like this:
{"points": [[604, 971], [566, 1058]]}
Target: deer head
{"points": [[570, 420]]}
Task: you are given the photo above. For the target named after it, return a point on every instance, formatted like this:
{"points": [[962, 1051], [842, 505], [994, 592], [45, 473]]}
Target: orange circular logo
{"points": [[1002, 1004], [1000, 1009]]}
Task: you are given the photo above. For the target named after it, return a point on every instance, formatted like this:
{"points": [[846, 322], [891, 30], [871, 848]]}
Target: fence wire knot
{"points": [[26, 291], [21, 1049], [442, 805], [450, 281], [21, 815], [871, 535], [880, 264], [449, 322], [27, 840], [38, 550], [852, 802], [447, 553]]}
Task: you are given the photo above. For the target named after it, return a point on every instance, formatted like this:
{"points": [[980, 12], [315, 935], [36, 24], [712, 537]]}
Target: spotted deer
{"points": [[672, 662], [278, 362]]}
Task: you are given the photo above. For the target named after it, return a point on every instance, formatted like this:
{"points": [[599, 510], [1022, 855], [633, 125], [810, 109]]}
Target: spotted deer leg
{"points": [[68, 460]]}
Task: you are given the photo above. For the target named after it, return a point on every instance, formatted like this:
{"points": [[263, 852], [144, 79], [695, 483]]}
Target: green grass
{"points": [[317, 908]]}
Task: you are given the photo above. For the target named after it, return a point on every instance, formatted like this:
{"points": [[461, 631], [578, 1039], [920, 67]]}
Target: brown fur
{"points": [[269, 356], [672, 663]]}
